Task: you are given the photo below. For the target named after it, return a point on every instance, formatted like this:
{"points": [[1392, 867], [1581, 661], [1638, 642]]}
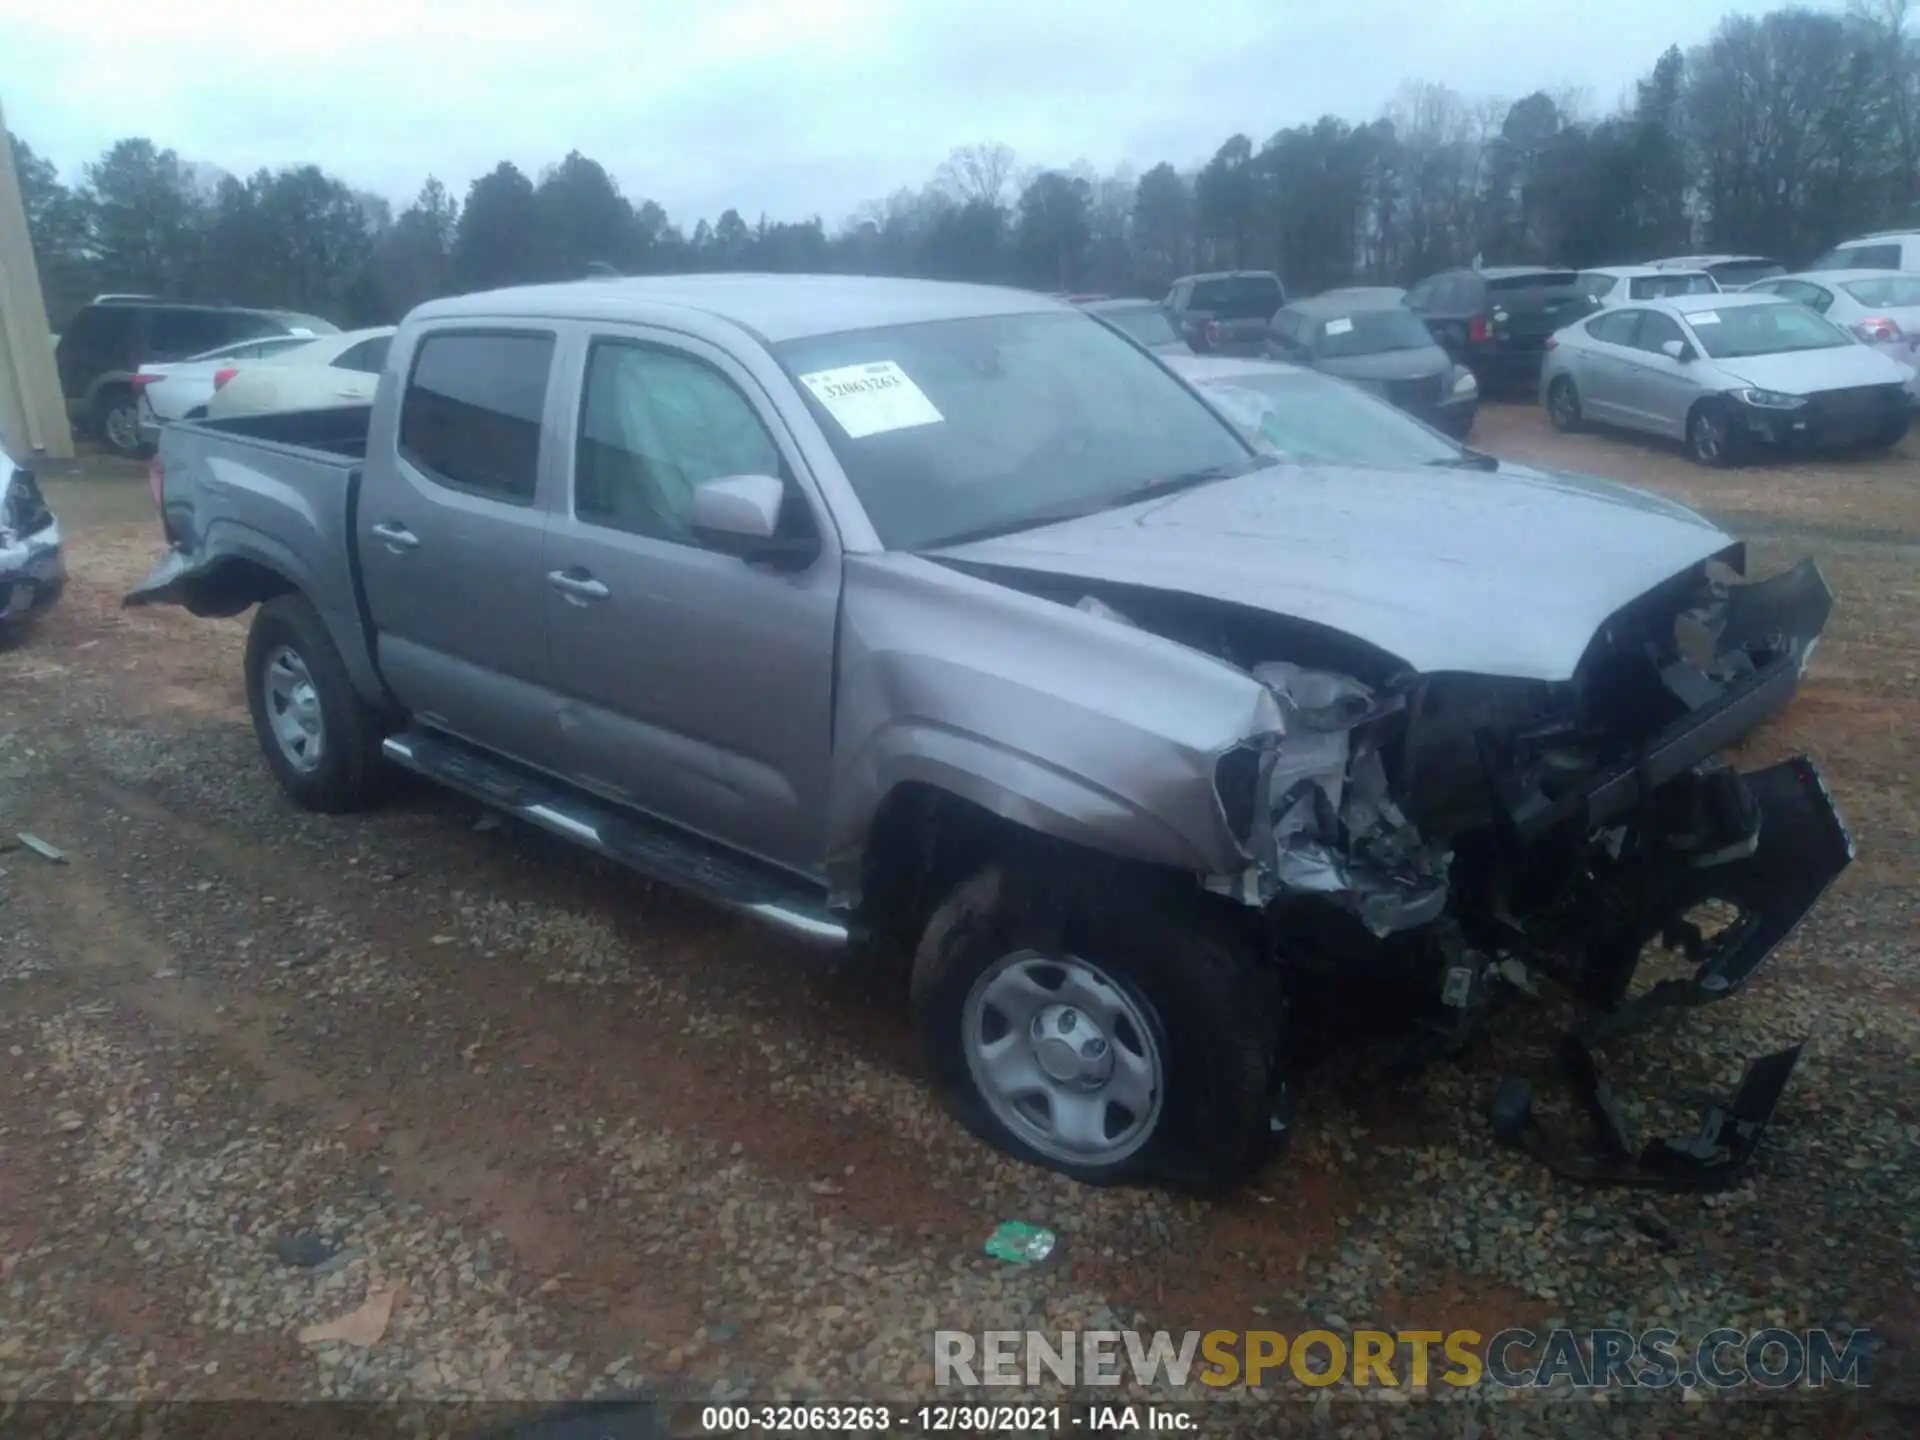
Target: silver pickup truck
{"points": [[944, 620]]}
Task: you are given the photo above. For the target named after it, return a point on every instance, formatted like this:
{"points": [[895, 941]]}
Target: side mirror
{"points": [[1677, 350], [740, 515]]}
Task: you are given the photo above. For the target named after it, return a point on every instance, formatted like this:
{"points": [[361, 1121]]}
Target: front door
{"points": [[1663, 388], [449, 532], [694, 685]]}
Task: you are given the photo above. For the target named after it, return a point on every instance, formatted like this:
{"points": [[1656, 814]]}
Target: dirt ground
{"points": [[546, 1131]]}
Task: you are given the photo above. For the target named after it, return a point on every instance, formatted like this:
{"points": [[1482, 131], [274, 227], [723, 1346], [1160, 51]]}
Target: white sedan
{"points": [[334, 370], [177, 389]]}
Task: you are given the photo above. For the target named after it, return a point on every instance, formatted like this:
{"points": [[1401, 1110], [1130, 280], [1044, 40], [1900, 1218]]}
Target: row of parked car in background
{"points": [[1634, 346]]}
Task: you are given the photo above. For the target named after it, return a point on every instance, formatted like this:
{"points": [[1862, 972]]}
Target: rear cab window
{"points": [[470, 416], [1239, 297]]}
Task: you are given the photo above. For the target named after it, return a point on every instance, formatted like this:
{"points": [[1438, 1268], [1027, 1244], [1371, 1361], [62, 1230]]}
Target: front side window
{"points": [[1742, 330], [1616, 327], [655, 424], [470, 417], [1656, 330], [951, 427]]}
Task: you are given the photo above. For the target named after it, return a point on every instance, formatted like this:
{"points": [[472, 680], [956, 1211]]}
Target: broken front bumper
{"points": [[1767, 843], [33, 572]]}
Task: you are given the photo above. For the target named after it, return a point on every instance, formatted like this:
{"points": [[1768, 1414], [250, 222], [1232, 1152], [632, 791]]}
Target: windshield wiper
{"points": [[1053, 515], [1467, 460]]}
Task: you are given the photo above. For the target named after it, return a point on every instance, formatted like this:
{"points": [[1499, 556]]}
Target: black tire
{"points": [[1891, 435], [116, 420], [1713, 436], [1563, 406], [347, 769], [1216, 1008]]}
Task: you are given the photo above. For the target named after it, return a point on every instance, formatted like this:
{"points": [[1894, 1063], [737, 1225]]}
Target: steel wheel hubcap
{"points": [[293, 710], [1064, 1057]]}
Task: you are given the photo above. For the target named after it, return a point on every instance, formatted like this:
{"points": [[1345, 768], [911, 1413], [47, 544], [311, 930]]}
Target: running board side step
{"points": [[653, 849]]}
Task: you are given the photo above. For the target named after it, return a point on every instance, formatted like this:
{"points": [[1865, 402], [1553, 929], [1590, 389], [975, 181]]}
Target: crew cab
{"points": [[945, 620]]}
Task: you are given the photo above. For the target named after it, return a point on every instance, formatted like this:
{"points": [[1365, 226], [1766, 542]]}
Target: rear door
{"points": [[1602, 372], [449, 534], [694, 685]]}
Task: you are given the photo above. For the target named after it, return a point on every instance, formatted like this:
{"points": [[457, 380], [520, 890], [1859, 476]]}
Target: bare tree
{"points": [[977, 173]]}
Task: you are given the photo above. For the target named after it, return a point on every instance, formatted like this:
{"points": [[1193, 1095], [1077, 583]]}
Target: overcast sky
{"points": [[790, 107]]}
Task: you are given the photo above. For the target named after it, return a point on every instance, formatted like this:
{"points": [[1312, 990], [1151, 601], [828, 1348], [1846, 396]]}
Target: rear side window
{"points": [[470, 417], [179, 333], [369, 357], [1594, 285], [1892, 291]]}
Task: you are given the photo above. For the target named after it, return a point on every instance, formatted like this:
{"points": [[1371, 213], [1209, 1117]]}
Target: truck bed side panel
{"points": [[231, 499]]}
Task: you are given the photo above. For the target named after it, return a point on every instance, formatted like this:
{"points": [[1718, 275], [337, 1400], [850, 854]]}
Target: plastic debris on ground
{"points": [[1019, 1243]]}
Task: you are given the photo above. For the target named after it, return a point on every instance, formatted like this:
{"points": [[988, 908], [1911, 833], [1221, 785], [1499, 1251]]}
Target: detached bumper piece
{"points": [[1711, 1159], [1767, 843]]}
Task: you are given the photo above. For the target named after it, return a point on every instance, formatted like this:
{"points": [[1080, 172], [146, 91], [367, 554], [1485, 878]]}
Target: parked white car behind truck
{"points": [[945, 617]]}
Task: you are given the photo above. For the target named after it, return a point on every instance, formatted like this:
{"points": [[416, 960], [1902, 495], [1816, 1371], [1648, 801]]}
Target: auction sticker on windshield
{"points": [[1339, 327], [872, 399], [1705, 317]]}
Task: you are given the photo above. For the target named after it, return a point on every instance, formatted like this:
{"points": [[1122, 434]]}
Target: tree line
{"points": [[1780, 135]]}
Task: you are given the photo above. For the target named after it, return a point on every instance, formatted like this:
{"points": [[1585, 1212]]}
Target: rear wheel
{"points": [[117, 418], [1087, 1029], [1563, 405], [320, 739], [1712, 437]]}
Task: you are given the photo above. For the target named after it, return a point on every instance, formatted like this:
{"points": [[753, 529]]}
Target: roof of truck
{"points": [[774, 307]]}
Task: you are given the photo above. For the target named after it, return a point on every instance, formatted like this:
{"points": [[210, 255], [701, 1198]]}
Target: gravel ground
{"points": [[418, 1106]]}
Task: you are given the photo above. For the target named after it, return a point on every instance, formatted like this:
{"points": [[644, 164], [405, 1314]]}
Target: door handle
{"points": [[396, 537], [578, 587]]}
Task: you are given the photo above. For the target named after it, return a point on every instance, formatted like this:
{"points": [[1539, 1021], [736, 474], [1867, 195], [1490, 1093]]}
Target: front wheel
{"points": [[1889, 435], [320, 739], [1563, 405], [1090, 1030], [1712, 439]]}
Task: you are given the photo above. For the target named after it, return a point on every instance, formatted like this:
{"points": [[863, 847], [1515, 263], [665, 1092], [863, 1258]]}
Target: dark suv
{"points": [[1496, 321], [103, 346], [1225, 313]]}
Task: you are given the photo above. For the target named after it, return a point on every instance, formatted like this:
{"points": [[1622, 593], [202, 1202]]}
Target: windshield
{"points": [[1892, 292], [1242, 297], [1742, 330], [1369, 332], [1674, 282], [1145, 323], [1317, 418], [955, 426]]}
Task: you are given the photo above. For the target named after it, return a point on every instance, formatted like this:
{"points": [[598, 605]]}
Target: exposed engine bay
{"points": [[1465, 823]]}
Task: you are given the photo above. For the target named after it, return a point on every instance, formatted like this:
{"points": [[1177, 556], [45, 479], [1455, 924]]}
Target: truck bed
{"points": [[341, 431]]}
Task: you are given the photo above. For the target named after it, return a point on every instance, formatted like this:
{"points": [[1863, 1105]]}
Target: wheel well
{"points": [[233, 586], [922, 842]]}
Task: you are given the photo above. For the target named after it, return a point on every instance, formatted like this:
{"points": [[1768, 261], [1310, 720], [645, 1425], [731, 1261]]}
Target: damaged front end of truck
{"points": [[1496, 827]]}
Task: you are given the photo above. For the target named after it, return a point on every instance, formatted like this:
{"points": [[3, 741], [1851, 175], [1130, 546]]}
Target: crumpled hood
{"points": [[1810, 372], [1487, 573]]}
